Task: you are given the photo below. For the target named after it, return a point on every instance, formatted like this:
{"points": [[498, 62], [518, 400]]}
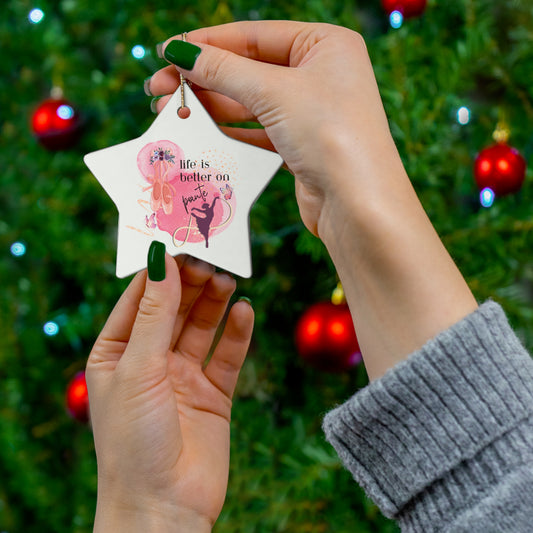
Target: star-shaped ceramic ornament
{"points": [[186, 184]]}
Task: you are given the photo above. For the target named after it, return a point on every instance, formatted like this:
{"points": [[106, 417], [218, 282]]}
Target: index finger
{"points": [[271, 41]]}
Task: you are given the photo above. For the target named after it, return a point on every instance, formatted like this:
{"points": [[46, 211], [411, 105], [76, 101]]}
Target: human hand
{"points": [[161, 417], [313, 89]]}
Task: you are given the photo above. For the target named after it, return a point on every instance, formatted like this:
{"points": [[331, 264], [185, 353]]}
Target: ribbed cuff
{"points": [[439, 429]]}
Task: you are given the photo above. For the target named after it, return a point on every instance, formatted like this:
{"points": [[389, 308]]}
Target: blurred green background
{"points": [[284, 476]]}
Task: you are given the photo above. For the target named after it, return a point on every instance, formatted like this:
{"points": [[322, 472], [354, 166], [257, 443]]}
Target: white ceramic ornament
{"points": [[186, 184]]}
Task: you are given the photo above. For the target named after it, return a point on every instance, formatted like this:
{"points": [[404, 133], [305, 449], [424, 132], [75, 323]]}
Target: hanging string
{"points": [[183, 110]]}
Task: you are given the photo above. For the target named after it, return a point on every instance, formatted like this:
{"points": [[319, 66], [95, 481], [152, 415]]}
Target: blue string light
{"points": [[65, 112], [18, 249], [36, 15], [138, 51], [51, 328], [486, 197], [396, 19]]}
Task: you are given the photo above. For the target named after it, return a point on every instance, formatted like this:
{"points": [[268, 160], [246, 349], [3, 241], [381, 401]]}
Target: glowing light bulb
{"points": [[486, 197], [51, 328], [396, 19], [36, 15], [355, 358], [18, 249], [313, 327], [65, 112], [463, 115], [503, 165], [485, 166], [138, 51], [337, 328]]}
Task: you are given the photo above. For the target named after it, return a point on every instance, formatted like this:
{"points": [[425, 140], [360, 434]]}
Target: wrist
{"points": [[401, 284], [366, 185], [118, 515]]}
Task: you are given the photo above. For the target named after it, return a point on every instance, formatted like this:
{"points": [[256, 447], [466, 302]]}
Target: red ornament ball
{"points": [[77, 398], [501, 168], [325, 337], [56, 124], [408, 8]]}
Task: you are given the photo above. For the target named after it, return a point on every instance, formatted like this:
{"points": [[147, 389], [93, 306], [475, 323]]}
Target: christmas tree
{"points": [[447, 78]]}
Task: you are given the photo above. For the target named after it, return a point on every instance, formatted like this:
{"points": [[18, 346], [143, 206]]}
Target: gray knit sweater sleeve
{"points": [[444, 441]]}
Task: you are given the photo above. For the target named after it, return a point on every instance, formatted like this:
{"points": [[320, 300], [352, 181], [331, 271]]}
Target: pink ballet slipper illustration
{"points": [[162, 193], [156, 195], [167, 197]]}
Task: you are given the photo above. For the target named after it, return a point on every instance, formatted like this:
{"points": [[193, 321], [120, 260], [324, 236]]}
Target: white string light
{"points": [[463, 115], [138, 51], [36, 15]]}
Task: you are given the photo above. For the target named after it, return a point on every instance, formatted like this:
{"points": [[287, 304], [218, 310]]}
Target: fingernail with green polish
{"points": [[182, 53], [156, 261], [244, 299], [146, 86], [153, 104]]}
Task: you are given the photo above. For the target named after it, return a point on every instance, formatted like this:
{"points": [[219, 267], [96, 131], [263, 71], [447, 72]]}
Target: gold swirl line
{"points": [[144, 203], [188, 228], [150, 233], [222, 224]]}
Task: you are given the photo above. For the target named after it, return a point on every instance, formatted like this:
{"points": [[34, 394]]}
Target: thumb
{"points": [[240, 78], [152, 330]]}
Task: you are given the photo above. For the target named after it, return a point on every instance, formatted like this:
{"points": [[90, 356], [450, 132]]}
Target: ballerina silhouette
{"points": [[204, 218]]}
